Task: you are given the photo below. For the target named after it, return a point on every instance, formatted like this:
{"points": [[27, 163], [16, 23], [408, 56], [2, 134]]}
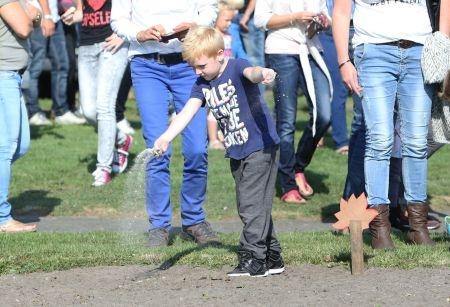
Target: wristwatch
{"points": [[48, 16]]}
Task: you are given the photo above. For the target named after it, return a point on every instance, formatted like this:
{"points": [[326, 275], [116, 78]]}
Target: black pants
{"points": [[122, 95], [71, 35], [255, 178]]}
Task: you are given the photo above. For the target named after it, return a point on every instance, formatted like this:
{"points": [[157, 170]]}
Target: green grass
{"points": [[23, 253], [54, 179]]}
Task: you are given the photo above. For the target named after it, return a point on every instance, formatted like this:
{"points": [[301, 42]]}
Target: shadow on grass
{"points": [[173, 260], [327, 213], [178, 256], [136, 124], [36, 132], [29, 206], [91, 162], [346, 257]]}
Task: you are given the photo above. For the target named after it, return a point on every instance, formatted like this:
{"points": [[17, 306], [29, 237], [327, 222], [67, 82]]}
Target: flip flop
{"points": [[303, 186], [293, 197]]}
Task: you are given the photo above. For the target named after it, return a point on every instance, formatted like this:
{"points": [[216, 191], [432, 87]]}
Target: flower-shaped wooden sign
{"points": [[355, 209]]}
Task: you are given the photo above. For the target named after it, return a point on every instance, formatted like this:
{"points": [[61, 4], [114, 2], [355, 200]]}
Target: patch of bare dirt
{"points": [[307, 285]]}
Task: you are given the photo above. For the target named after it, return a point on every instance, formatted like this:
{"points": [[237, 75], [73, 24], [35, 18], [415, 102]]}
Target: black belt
{"points": [[168, 58], [20, 71], [402, 43]]}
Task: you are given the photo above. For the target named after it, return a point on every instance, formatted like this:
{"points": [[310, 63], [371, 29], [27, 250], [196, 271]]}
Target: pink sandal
{"points": [[303, 185], [293, 197]]}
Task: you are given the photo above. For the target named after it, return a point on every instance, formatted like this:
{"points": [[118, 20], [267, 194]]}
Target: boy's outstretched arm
{"points": [[177, 125], [259, 74]]}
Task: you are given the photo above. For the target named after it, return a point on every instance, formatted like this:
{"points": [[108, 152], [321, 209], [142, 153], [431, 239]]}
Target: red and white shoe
{"points": [[120, 160], [102, 177]]}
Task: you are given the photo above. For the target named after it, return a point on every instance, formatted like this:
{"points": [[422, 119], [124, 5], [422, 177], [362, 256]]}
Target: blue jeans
{"points": [[289, 78], [14, 134], [152, 84], [55, 46], [340, 92], [390, 75]]}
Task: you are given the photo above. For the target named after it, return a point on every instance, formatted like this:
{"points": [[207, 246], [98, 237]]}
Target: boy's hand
{"points": [[268, 75], [161, 145]]}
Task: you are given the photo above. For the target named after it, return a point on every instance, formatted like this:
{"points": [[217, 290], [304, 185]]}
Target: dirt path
{"points": [[180, 285]]}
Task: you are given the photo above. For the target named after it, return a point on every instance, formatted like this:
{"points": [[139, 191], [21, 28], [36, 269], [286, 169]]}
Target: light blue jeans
{"points": [[99, 75], [14, 134], [388, 74]]}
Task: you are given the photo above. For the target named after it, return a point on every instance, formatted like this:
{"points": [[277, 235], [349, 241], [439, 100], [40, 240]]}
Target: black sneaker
{"points": [[274, 262], [249, 266], [201, 233], [158, 237]]}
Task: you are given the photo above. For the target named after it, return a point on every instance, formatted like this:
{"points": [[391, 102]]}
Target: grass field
{"points": [[54, 179]]}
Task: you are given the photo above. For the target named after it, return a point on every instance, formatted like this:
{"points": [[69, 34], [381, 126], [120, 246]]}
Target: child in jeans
{"points": [[229, 88]]}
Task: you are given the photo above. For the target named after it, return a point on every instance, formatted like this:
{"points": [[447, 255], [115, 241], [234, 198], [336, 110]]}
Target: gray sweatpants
{"points": [[255, 178]]}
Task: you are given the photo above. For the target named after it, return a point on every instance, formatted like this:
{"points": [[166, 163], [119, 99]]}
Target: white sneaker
{"points": [[125, 127], [39, 119], [69, 118]]}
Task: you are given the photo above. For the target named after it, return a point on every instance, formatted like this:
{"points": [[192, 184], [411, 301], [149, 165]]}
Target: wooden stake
{"points": [[357, 248]]}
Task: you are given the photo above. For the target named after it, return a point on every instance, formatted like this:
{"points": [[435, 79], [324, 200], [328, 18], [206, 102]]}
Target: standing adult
{"points": [[16, 25], [157, 70], [297, 59], [50, 40], [388, 41]]}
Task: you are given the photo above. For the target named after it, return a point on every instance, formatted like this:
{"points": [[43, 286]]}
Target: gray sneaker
{"points": [[158, 237], [201, 233]]}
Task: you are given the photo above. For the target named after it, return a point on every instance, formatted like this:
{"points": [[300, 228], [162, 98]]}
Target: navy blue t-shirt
{"points": [[239, 109]]}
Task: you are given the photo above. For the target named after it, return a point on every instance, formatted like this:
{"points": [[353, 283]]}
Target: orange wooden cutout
{"points": [[355, 209]]}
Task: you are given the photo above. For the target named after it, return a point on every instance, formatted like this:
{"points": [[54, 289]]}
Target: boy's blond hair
{"points": [[225, 6], [200, 41]]}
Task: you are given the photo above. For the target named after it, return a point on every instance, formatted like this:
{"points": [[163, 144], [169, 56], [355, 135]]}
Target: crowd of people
{"points": [[207, 60]]}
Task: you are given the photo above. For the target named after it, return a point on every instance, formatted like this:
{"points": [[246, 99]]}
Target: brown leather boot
{"points": [[418, 232], [380, 229]]}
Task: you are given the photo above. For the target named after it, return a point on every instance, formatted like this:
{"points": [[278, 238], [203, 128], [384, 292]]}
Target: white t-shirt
{"points": [[382, 21]]}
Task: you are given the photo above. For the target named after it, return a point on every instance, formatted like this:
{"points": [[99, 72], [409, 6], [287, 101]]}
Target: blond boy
{"points": [[229, 88]]}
